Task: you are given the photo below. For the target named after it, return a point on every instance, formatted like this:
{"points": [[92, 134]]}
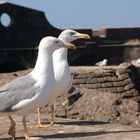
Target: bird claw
{"points": [[41, 126], [33, 138], [12, 132], [54, 124]]}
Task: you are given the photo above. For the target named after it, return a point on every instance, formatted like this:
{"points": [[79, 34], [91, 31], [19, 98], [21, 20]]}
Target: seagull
{"points": [[102, 63], [63, 77], [135, 62], [26, 93]]}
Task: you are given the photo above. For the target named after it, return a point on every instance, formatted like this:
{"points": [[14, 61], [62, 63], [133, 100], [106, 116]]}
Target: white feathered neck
{"points": [[44, 65]]}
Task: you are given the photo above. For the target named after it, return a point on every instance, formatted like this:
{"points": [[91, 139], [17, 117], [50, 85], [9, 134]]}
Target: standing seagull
{"points": [[62, 72], [102, 63], [26, 93], [135, 62]]}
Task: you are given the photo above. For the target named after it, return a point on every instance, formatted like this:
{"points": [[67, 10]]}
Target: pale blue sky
{"points": [[93, 14]]}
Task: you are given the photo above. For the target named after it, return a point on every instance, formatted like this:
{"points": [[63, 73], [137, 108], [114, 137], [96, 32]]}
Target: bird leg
{"points": [[53, 123], [52, 111], [39, 124], [64, 105], [11, 130], [65, 102], [27, 137]]}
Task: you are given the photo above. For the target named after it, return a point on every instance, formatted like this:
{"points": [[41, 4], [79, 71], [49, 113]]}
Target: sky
{"points": [[93, 14]]}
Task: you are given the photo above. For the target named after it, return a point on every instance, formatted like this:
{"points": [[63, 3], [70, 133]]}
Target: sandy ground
{"points": [[70, 129]]}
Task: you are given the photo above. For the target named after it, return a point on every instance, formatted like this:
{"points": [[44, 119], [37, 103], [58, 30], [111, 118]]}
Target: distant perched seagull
{"points": [[26, 93], [63, 77], [135, 62], [102, 63]]}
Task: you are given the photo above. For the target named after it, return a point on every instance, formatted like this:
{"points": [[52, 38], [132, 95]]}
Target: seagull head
{"points": [[52, 43], [105, 60], [71, 35]]}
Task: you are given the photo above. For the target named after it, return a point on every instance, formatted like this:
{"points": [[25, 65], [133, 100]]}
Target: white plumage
{"points": [[24, 94], [136, 62], [63, 77], [102, 63], [62, 71]]}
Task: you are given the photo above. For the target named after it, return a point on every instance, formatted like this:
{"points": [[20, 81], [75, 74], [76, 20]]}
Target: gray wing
{"points": [[15, 91]]}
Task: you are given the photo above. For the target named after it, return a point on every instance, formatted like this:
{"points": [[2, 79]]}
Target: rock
{"points": [[129, 112]]}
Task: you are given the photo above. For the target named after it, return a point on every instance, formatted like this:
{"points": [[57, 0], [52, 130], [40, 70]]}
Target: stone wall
{"points": [[117, 79]]}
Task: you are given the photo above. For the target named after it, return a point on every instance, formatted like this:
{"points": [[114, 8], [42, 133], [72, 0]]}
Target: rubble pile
{"points": [[108, 94]]}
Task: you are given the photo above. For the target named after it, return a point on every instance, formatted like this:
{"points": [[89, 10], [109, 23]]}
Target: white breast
{"points": [[62, 74]]}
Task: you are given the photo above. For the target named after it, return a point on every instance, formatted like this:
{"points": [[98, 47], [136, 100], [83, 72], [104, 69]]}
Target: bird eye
{"points": [[72, 33], [56, 41]]}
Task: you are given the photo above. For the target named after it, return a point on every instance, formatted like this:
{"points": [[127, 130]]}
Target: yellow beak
{"points": [[70, 46], [84, 36]]}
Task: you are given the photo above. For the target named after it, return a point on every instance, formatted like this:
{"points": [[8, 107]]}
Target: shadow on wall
{"points": [[10, 67], [88, 60]]}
